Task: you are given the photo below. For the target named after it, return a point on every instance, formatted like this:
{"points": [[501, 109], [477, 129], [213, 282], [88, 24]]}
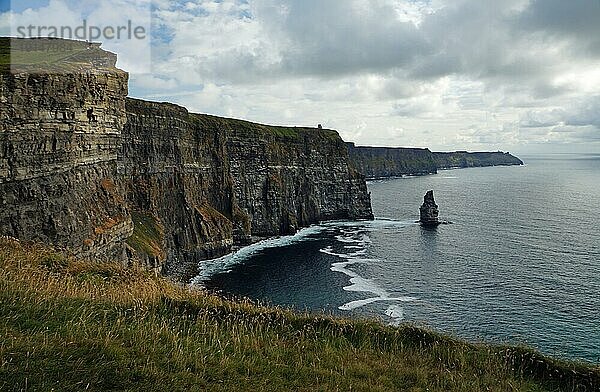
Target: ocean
{"points": [[519, 263]]}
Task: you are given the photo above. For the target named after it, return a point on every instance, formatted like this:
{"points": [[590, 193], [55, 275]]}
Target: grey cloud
{"points": [[588, 113], [542, 118], [578, 122], [575, 134], [478, 39], [499, 136], [410, 109], [578, 20], [337, 37]]}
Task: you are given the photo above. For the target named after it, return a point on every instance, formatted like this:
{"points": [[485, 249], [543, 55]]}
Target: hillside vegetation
{"points": [[67, 325]]}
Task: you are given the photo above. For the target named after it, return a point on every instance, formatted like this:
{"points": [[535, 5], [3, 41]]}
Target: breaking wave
{"points": [[209, 268], [355, 249]]}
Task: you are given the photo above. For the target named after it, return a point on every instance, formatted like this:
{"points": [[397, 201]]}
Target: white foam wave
{"points": [[329, 251], [444, 177], [354, 236], [359, 226], [347, 240], [357, 304], [209, 268], [358, 282], [360, 241]]}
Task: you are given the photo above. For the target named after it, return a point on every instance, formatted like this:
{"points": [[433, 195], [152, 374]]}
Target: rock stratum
{"points": [[151, 182], [383, 162]]}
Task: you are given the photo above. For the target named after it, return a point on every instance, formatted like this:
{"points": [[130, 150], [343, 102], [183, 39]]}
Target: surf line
{"points": [[208, 268], [361, 284]]}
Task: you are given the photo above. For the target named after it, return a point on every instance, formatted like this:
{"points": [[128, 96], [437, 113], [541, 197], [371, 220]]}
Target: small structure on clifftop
{"points": [[429, 211]]}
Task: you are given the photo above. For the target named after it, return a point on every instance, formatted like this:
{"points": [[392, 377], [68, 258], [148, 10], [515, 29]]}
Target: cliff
{"points": [[463, 159], [107, 177], [382, 162], [57, 169], [203, 183]]}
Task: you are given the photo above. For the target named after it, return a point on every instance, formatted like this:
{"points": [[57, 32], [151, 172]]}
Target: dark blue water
{"points": [[520, 263]]}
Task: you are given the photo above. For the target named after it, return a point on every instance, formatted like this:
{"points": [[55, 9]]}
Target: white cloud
{"points": [[5, 25], [445, 74]]}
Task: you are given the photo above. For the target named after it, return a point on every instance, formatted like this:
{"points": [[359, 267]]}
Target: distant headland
{"points": [[383, 162]]}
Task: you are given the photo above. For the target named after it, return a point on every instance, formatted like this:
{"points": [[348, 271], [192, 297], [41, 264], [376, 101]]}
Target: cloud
{"points": [[586, 114], [582, 112], [573, 20], [5, 25], [335, 38], [575, 122], [542, 118], [153, 83], [472, 73]]}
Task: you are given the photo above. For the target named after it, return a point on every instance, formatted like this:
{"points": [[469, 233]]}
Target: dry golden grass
{"points": [[71, 325]]}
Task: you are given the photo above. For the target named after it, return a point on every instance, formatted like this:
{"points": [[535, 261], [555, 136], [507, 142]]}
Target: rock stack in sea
{"points": [[429, 211]]}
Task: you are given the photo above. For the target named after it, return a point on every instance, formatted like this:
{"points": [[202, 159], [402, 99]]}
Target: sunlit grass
{"points": [[70, 325]]}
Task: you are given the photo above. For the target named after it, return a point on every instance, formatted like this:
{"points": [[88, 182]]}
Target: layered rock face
{"points": [[383, 162], [150, 181], [57, 169], [463, 159], [202, 183], [176, 181], [286, 178], [429, 211]]}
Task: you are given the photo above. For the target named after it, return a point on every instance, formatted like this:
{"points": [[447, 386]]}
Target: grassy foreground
{"points": [[70, 326]]}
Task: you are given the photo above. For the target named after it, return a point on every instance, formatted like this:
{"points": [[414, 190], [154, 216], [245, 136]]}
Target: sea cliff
{"points": [[463, 159], [111, 178], [143, 181], [383, 162], [203, 184]]}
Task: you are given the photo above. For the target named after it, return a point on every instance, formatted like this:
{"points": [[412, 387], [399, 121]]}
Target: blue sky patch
{"points": [[161, 33], [19, 6]]}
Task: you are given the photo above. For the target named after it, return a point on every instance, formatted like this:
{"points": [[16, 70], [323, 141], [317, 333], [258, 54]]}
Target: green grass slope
{"points": [[66, 325]]}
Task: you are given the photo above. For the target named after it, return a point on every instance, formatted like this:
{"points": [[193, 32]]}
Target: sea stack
{"points": [[429, 211]]}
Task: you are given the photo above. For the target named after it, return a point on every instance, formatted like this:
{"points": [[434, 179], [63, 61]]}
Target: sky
{"points": [[517, 75]]}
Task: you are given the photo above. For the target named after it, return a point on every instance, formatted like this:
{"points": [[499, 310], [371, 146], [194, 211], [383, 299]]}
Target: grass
{"points": [[34, 58], [46, 56], [67, 325], [4, 56], [42, 57], [148, 235], [4, 52], [281, 132], [473, 159]]}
